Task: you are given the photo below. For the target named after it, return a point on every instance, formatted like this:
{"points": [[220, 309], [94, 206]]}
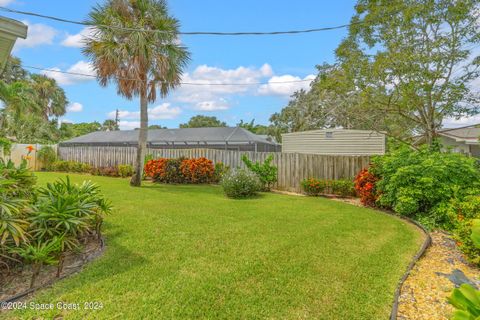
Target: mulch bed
{"points": [[17, 282], [441, 269]]}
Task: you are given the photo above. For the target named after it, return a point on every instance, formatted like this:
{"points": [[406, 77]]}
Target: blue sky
{"points": [[214, 59]]}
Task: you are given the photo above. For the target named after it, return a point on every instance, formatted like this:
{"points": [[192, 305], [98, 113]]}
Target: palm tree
{"points": [[110, 125], [134, 44], [49, 96]]}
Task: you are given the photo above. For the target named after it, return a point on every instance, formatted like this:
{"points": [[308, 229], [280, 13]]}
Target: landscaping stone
{"points": [[443, 267]]}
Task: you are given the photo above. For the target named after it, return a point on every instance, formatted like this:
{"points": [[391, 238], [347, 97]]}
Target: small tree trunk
{"points": [[36, 267], [61, 260], [142, 139]]}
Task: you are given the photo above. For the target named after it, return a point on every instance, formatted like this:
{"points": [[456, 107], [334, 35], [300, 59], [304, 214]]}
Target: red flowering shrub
{"points": [[314, 187], [365, 183], [155, 167], [198, 170], [180, 170]]}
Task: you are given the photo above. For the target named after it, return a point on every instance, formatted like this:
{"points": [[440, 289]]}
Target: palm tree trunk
{"points": [[142, 139]]}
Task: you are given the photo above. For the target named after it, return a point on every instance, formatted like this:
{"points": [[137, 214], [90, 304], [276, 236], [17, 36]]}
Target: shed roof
{"points": [[216, 135], [468, 134]]}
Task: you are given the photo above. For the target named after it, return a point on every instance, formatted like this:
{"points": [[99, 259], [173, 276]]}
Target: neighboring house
{"points": [[224, 138], [335, 142], [462, 140], [10, 30]]}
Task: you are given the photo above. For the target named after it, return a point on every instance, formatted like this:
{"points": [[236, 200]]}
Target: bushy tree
{"points": [[203, 121]]}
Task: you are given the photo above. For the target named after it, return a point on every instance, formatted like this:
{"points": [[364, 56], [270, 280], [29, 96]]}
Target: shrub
{"points": [[71, 166], [47, 156], [266, 172], [416, 183], [6, 144], [125, 170], [314, 187], [240, 183], [219, 171], [154, 167], [342, 188], [365, 186], [105, 171], [200, 170]]}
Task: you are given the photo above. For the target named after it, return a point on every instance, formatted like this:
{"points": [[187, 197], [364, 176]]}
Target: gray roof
{"points": [[470, 132], [210, 136]]}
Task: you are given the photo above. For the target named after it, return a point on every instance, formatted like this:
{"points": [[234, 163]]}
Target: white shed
{"points": [[335, 142]]}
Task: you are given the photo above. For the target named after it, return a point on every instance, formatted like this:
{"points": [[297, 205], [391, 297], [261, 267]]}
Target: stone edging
{"points": [[426, 243], [21, 295]]}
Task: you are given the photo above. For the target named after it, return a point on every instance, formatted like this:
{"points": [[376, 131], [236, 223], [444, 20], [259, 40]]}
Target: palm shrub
{"points": [[266, 171], [47, 155], [240, 183], [38, 254], [69, 212]]}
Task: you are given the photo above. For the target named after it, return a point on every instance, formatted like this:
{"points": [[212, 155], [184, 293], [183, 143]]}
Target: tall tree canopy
{"points": [[141, 62], [200, 121], [404, 67]]}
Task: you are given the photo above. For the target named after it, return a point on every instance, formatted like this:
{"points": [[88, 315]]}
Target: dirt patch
{"points": [[432, 279], [17, 281]]}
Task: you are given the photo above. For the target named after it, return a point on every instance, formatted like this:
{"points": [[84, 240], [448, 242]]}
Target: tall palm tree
{"points": [[134, 44], [50, 97]]}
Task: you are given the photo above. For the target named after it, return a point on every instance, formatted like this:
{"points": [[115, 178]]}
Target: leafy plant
{"points": [[314, 187], [6, 144], [240, 183], [266, 171], [39, 254], [365, 186], [47, 156], [125, 170], [71, 166], [219, 171], [417, 183], [197, 170]]}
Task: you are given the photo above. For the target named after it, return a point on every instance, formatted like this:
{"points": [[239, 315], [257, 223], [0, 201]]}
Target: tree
{"points": [[141, 61], [200, 121], [110, 125], [50, 97], [156, 126], [13, 71], [254, 128], [72, 130], [414, 59], [334, 101]]}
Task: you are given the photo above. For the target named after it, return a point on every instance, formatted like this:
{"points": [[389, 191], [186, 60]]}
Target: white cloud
{"points": [[75, 107], [65, 121], [81, 67], [5, 3], [76, 40], [38, 34], [162, 111], [462, 122], [213, 105], [128, 125], [285, 85]]}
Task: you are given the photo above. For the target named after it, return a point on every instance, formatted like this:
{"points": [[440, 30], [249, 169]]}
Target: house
{"points": [[462, 140], [10, 30], [224, 138], [335, 142]]}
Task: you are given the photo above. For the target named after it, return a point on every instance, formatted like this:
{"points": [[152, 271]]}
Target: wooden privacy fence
{"points": [[292, 167]]}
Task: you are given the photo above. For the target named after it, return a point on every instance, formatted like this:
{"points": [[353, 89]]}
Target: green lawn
{"points": [[184, 252]]}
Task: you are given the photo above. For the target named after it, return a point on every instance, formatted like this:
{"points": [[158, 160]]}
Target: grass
{"points": [[184, 252]]}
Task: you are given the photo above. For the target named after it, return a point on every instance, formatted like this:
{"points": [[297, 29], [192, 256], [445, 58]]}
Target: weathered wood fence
{"points": [[292, 167]]}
